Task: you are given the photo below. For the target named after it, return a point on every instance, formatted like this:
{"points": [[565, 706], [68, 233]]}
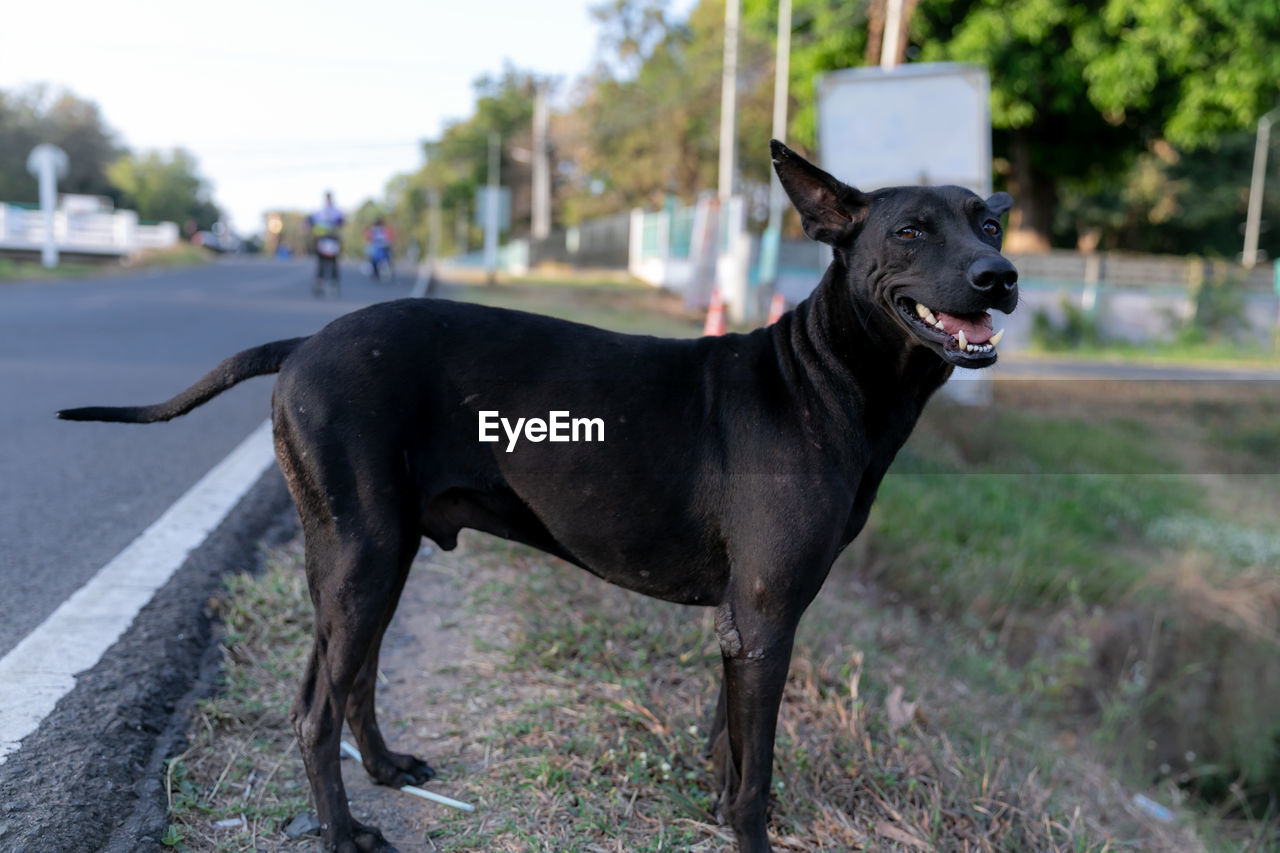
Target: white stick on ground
{"points": [[416, 791]]}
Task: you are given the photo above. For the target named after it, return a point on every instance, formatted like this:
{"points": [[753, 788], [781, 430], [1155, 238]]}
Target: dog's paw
{"points": [[400, 769], [364, 839], [415, 771]]}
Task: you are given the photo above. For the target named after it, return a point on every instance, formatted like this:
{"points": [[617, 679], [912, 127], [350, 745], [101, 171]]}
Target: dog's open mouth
{"points": [[965, 336]]}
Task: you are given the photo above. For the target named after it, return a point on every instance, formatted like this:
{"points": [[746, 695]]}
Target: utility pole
{"points": [[892, 26], [491, 210], [541, 224], [425, 284], [1253, 222], [781, 81], [771, 240], [435, 225], [728, 101]]}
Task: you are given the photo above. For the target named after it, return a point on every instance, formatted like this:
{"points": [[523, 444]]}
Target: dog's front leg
{"points": [[756, 648]]}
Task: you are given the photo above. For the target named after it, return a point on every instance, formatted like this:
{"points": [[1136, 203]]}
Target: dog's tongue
{"points": [[977, 330]]}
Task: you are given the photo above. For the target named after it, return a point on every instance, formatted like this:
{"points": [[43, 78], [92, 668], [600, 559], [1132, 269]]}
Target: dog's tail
{"points": [[243, 365]]}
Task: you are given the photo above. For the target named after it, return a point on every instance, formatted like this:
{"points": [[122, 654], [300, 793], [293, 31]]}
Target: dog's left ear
{"points": [[831, 212], [1000, 203]]}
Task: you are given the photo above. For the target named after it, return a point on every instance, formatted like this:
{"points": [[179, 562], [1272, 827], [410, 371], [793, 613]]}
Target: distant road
{"points": [[1037, 368], [72, 495]]}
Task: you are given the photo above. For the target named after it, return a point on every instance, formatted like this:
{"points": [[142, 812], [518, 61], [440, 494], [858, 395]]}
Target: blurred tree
{"points": [[458, 162], [647, 122], [38, 114], [1176, 202], [1080, 90], [825, 35], [164, 188]]}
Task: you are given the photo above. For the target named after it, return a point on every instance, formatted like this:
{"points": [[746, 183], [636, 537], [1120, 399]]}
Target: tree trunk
{"points": [[1035, 198], [876, 14]]}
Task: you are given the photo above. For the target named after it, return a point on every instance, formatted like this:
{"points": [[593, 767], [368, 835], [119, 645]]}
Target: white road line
{"points": [[41, 669]]}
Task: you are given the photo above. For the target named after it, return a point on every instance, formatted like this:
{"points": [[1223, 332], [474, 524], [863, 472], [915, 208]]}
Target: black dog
{"points": [[731, 473]]}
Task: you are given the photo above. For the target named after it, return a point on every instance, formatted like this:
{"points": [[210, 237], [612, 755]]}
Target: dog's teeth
{"points": [[940, 326], [964, 345], [995, 339], [922, 311]]}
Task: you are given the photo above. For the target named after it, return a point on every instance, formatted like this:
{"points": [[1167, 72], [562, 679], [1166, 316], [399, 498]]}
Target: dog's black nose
{"points": [[993, 272]]}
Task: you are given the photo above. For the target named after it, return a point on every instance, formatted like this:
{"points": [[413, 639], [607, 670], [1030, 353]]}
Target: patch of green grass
{"points": [[1119, 582], [242, 764], [1023, 512], [11, 270], [1178, 351], [180, 255], [621, 309]]}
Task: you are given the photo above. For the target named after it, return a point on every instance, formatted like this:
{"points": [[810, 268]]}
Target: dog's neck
{"points": [[855, 342]]}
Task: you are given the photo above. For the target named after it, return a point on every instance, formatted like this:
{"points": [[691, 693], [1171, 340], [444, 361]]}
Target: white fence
{"points": [[113, 233]]}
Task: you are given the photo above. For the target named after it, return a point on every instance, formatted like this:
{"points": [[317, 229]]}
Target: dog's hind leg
{"points": [[358, 549], [386, 767], [352, 578]]}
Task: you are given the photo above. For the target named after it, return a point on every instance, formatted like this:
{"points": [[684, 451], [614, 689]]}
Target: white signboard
{"points": [[921, 123]]}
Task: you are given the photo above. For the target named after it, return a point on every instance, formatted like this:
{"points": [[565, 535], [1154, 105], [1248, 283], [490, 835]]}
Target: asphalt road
{"points": [[73, 495]]}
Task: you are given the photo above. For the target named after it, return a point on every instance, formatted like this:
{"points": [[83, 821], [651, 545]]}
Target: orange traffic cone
{"points": [[715, 324], [777, 307]]}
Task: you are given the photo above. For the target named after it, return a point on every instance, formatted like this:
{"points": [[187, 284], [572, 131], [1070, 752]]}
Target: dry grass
{"points": [[242, 762], [578, 724]]}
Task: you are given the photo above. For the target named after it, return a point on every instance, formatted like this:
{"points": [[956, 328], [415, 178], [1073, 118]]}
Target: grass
{"points": [[1119, 542], [242, 762], [1218, 333], [623, 308], [1217, 353], [585, 734], [607, 754], [11, 270], [180, 255]]}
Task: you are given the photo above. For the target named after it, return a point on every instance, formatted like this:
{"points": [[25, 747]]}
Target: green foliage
{"points": [[1076, 330], [1081, 91], [164, 187], [825, 35], [1219, 311], [648, 125], [458, 162], [157, 186], [1129, 118], [1171, 201], [37, 115]]}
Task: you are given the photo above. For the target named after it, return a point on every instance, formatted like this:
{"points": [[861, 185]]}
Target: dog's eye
{"points": [[909, 233], [991, 228]]}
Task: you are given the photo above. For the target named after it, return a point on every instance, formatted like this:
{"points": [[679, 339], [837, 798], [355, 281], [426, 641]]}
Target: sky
{"points": [[280, 100]]}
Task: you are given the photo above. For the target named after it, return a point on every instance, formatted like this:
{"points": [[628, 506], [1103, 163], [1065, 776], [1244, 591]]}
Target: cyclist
{"points": [[325, 230], [379, 240]]}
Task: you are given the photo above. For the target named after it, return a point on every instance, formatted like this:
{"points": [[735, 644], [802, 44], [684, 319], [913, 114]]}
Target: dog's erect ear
{"points": [[831, 212], [1000, 203]]}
